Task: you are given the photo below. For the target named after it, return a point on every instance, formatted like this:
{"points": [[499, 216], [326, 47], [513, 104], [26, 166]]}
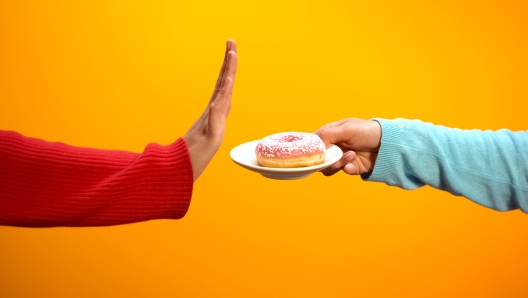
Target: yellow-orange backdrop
{"points": [[120, 74]]}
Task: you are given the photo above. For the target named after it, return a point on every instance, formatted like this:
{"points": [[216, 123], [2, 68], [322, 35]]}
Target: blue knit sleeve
{"points": [[487, 167]]}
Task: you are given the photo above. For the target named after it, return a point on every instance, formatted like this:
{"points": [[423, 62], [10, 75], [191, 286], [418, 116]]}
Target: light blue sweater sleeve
{"points": [[487, 167]]}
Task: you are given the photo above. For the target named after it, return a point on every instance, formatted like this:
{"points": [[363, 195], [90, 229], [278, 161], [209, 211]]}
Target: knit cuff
{"points": [[184, 179], [388, 155]]}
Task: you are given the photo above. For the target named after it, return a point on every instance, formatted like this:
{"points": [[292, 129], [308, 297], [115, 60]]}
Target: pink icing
{"points": [[290, 144]]}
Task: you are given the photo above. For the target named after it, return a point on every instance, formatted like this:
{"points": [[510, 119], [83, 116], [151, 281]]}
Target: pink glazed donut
{"points": [[290, 150]]}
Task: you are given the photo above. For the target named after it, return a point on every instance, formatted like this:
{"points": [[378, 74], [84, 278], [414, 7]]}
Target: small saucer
{"points": [[244, 155]]}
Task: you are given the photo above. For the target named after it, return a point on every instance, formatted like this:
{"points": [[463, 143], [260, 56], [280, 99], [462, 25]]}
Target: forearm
{"points": [[45, 184], [490, 168]]}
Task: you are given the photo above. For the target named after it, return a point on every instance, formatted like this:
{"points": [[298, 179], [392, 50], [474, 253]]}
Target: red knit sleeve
{"points": [[45, 184]]}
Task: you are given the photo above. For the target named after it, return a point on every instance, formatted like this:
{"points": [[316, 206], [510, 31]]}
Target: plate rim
{"points": [[300, 170]]}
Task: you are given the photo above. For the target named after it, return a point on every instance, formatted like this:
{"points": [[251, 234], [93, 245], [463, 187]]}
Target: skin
{"points": [[206, 135], [360, 141]]}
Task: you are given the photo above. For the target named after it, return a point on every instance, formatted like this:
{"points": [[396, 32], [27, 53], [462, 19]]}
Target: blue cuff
{"points": [[389, 154]]}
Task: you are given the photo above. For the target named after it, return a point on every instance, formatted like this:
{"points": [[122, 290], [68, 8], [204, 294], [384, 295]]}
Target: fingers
{"points": [[223, 95], [231, 68], [351, 169], [226, 68], [222, 69], [221, 103], [232, 46], [219, 109], [233, 64], [346, 163]]}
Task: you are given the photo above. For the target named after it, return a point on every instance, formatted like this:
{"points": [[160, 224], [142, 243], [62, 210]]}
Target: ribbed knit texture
{"points": [[488, 167], [46, 184]]}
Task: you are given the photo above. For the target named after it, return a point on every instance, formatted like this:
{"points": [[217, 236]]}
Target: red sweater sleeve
{"points": [[45, 184]]}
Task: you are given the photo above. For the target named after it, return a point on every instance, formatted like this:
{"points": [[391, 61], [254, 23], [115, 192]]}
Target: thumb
{"points": [[332, 135]]}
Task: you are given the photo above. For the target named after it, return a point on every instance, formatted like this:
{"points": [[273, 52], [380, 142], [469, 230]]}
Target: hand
{"points": [[206, 135], [360, 141]]}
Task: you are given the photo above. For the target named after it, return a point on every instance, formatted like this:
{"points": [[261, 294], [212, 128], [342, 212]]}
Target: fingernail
{"points": [[348, 157]]}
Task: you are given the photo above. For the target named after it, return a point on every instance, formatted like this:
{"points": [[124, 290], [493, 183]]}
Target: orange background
{"points": [[120, 74]]}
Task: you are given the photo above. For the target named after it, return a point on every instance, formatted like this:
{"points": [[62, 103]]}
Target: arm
{"points": [[45, 184], [490, 168]]}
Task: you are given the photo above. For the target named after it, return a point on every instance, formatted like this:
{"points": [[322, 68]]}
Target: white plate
{"points": [[244, 155]]}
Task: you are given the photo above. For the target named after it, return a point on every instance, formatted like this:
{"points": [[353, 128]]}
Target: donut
{"points": [[290, 150]]}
